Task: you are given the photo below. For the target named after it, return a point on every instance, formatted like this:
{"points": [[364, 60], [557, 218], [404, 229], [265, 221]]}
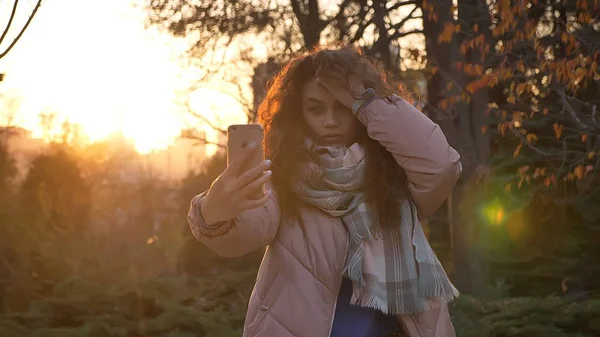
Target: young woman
{"points": [[353, 170]]}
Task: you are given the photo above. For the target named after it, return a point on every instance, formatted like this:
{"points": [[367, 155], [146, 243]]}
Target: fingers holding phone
{"points": [[242, 185]]}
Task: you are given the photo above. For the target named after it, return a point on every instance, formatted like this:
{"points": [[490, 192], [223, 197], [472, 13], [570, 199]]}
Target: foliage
{"points": [[514, 86], [287, 27], [539, 65], [7, 166], [543, 73], [546, 316], [58, 232], [232, 40], [55, 191], [215, 307]]}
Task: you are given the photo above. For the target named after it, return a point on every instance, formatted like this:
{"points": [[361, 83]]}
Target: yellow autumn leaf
{"points": [[502, 129], [523, 170], [558, 129], [521, 182], [564, 37], [484, 129], [584, 138], [446, 34], [591, 155], [532, 137], [579, 172], [517, 150], [517, 116]]}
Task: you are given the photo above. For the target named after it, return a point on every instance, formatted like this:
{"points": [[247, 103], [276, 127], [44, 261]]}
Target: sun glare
{"points": [[109, 75]]}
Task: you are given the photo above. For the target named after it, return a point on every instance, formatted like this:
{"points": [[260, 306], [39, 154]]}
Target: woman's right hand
{"points": [[231, 193]]}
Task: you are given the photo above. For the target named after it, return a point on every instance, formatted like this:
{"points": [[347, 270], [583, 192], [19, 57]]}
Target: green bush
{"points": [[527, 317], [160, 307], [215, 307]]}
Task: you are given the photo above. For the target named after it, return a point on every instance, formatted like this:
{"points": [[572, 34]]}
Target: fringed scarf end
{"points": [[429, 287], [387, 309]]}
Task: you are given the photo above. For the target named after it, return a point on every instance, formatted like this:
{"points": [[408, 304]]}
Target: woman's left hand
{"points": [[345, 90]]}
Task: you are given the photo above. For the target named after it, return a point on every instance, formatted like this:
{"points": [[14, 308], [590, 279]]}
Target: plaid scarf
{"points": [[397, 273]]}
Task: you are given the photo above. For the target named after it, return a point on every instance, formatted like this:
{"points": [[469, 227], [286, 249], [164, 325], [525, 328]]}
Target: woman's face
{"points": [[328, 121]]}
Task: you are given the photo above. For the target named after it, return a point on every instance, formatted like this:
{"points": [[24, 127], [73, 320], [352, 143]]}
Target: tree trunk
{"points": [[474, 13], [381, 47], [311, 26], [461, 122]]}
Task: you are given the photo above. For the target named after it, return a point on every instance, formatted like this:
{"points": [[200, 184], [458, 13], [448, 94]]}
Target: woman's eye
{"points": [[315, 110]]}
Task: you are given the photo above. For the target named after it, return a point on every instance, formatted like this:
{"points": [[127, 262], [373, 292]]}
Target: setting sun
{"points": [[105, 72]]}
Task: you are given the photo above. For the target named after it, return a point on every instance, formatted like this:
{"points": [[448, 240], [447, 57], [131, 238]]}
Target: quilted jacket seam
{"points": [[281, 324], [302, 264]]}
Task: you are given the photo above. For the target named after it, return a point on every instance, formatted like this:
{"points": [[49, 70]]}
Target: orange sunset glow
{"points": [[106, 72]]}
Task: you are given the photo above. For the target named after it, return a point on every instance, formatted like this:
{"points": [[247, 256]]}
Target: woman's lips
{"points": [[331, 139]]}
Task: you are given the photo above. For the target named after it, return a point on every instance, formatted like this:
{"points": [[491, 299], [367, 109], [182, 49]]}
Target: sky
{"points": [[99, 66]]}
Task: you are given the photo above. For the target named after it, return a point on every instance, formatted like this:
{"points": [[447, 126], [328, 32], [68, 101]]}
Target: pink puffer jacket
{"points": [[301, 273]]}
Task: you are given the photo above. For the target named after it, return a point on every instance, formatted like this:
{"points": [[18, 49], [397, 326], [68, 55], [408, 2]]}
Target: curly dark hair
{"points": [[285, 129]]}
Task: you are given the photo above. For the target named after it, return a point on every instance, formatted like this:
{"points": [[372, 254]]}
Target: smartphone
{"points": [[239, 136]]}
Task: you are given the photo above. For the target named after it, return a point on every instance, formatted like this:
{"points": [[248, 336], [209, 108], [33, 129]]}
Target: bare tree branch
{"points": [[10, 20], [191, 134], [398, 34], [362, 23], [566, 106], [204, 119], [402, 4], [402, 22], [35, 9]]}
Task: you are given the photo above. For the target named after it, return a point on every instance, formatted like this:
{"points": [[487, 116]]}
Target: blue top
{"points": [[354, 321]]}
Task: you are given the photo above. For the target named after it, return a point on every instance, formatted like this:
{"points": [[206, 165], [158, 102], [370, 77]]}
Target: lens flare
{"points": [[494, 213]]}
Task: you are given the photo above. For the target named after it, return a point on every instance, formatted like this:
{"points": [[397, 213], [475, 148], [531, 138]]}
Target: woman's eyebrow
{"points": [[313, 100]]}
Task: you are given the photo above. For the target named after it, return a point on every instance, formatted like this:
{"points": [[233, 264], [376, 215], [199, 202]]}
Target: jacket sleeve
{"points": [[419, 146], [250, 230]]}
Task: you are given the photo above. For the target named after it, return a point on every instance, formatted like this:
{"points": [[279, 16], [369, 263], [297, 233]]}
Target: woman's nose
{"points": [[331, 119]]}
